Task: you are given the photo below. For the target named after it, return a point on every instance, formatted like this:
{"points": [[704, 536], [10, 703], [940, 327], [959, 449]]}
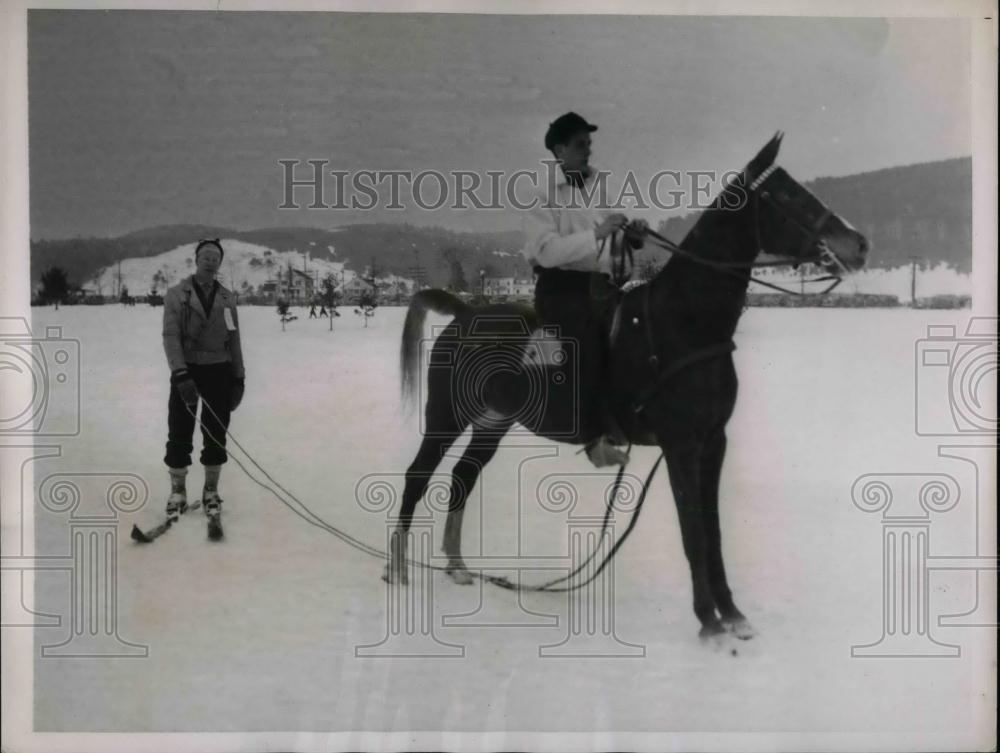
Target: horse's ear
{"points": [[765, 157]]}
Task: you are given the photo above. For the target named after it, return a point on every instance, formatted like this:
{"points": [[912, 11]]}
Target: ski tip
{"points": [[142, 537], [214, 530]]}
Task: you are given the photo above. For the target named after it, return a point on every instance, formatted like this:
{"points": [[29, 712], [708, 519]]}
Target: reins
{"points": [[550, 586], [825, 256], [730, 268], [622, 257], [502, 582], [622, 260]]}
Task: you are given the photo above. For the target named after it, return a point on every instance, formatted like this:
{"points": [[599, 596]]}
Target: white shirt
{"points": [[559, 231]]}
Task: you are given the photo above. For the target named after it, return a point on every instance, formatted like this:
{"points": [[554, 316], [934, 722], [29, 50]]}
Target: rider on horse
{"points": [[571, 246]]}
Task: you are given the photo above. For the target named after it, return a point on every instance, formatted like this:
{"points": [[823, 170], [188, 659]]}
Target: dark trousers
{"points": [[580, 304], [215, 388]]}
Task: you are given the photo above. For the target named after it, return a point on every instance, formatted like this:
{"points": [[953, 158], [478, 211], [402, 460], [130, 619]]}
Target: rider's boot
{"points": [[603, 453]]}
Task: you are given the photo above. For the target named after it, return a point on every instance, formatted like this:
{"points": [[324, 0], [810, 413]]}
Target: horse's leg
{"points": [[418, 475], [482, 447], [683, 464], [711, 471]]}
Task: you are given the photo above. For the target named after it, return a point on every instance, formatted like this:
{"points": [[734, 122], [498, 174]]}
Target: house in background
{"points": [[508, 287], [292, 285], [268, 292], [355, 288]]}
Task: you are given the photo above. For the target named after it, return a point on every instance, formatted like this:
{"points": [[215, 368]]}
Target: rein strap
{"points": [[727, 267]]}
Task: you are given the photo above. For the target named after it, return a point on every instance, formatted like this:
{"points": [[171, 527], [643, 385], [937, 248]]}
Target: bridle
{"points": [[661, 374], [622, 257], [621, 263]]}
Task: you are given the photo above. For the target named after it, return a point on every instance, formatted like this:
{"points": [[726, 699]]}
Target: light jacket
{"points": [[191, 337], [559, 229]]}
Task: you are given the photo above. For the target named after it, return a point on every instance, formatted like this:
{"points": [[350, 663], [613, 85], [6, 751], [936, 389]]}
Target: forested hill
{"points": [[922, 211], [918, 211], [393, 248]]}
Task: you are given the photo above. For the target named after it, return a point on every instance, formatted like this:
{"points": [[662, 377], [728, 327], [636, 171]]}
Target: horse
{"points": [[672, 378]]}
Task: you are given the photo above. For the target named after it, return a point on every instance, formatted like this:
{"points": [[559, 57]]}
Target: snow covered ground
{"points": [[260, 632], [897, 281]]}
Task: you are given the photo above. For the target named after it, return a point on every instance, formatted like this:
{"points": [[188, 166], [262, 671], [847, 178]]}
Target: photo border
{"points": [[17, 645]]}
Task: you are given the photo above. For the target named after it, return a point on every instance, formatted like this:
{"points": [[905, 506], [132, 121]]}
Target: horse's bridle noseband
{"points": [[824, 256]]}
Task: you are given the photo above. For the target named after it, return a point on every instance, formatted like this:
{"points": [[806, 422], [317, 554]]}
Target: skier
{"points": [[322, 311], [201, 338], [312, 310]]}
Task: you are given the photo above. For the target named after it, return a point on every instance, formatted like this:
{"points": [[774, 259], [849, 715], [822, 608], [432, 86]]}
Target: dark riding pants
{"points": [[215, 389], [580, 304]]}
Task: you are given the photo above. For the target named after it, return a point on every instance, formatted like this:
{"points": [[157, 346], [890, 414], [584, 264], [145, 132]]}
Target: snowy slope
{"points": [[244, 264]]}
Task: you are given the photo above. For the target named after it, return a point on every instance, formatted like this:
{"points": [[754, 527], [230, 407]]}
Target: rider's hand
{"points": [[613, 223], [635, 232]]}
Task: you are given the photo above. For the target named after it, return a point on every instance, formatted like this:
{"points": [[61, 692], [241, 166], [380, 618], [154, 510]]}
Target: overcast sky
{"points": [[143, 118]]}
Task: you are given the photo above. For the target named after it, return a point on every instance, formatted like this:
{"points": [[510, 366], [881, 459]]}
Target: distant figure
{"points": [[201, 338], [312, 310], [322, 311]]}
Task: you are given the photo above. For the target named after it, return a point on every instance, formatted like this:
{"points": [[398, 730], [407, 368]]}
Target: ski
{"points": [[215, 532], [213, 509], [215, 527], [146, 537]]}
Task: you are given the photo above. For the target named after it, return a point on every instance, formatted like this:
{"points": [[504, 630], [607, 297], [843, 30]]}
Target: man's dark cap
{"points": [[209, 242], [562, 129]]}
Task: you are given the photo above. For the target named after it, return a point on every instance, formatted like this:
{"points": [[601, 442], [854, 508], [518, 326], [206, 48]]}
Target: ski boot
{"points": [[213, 509], [212, 502], [177, 503]]}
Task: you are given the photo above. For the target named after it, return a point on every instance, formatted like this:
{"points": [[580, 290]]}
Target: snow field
{"points": [[259, 632]]}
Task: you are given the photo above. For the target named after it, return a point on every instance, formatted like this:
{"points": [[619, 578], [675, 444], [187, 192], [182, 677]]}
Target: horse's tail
{"points": [[438, 301]]}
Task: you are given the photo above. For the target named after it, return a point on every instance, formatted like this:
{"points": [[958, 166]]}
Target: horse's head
{"points": [[791, 222]]}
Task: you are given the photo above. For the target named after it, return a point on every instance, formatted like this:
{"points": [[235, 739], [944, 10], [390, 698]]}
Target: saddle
{"points": [[544, 348]]}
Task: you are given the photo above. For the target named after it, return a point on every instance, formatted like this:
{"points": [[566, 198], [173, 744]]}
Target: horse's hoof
{"points": [[711, 632], [741, 628], [460, 575], [393, 577]]}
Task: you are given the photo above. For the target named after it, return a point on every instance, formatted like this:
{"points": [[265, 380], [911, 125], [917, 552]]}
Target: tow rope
{"points": [[502, 582]]}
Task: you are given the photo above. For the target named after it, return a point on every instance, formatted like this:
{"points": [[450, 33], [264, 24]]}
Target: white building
{"points": [[508, 287]]}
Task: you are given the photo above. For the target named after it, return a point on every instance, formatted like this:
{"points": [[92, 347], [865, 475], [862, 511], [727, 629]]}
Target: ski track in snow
{"points": [[259, 632]]}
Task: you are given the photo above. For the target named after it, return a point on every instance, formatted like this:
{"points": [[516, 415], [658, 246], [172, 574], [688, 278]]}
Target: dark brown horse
{"points": [[674, 382]]}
